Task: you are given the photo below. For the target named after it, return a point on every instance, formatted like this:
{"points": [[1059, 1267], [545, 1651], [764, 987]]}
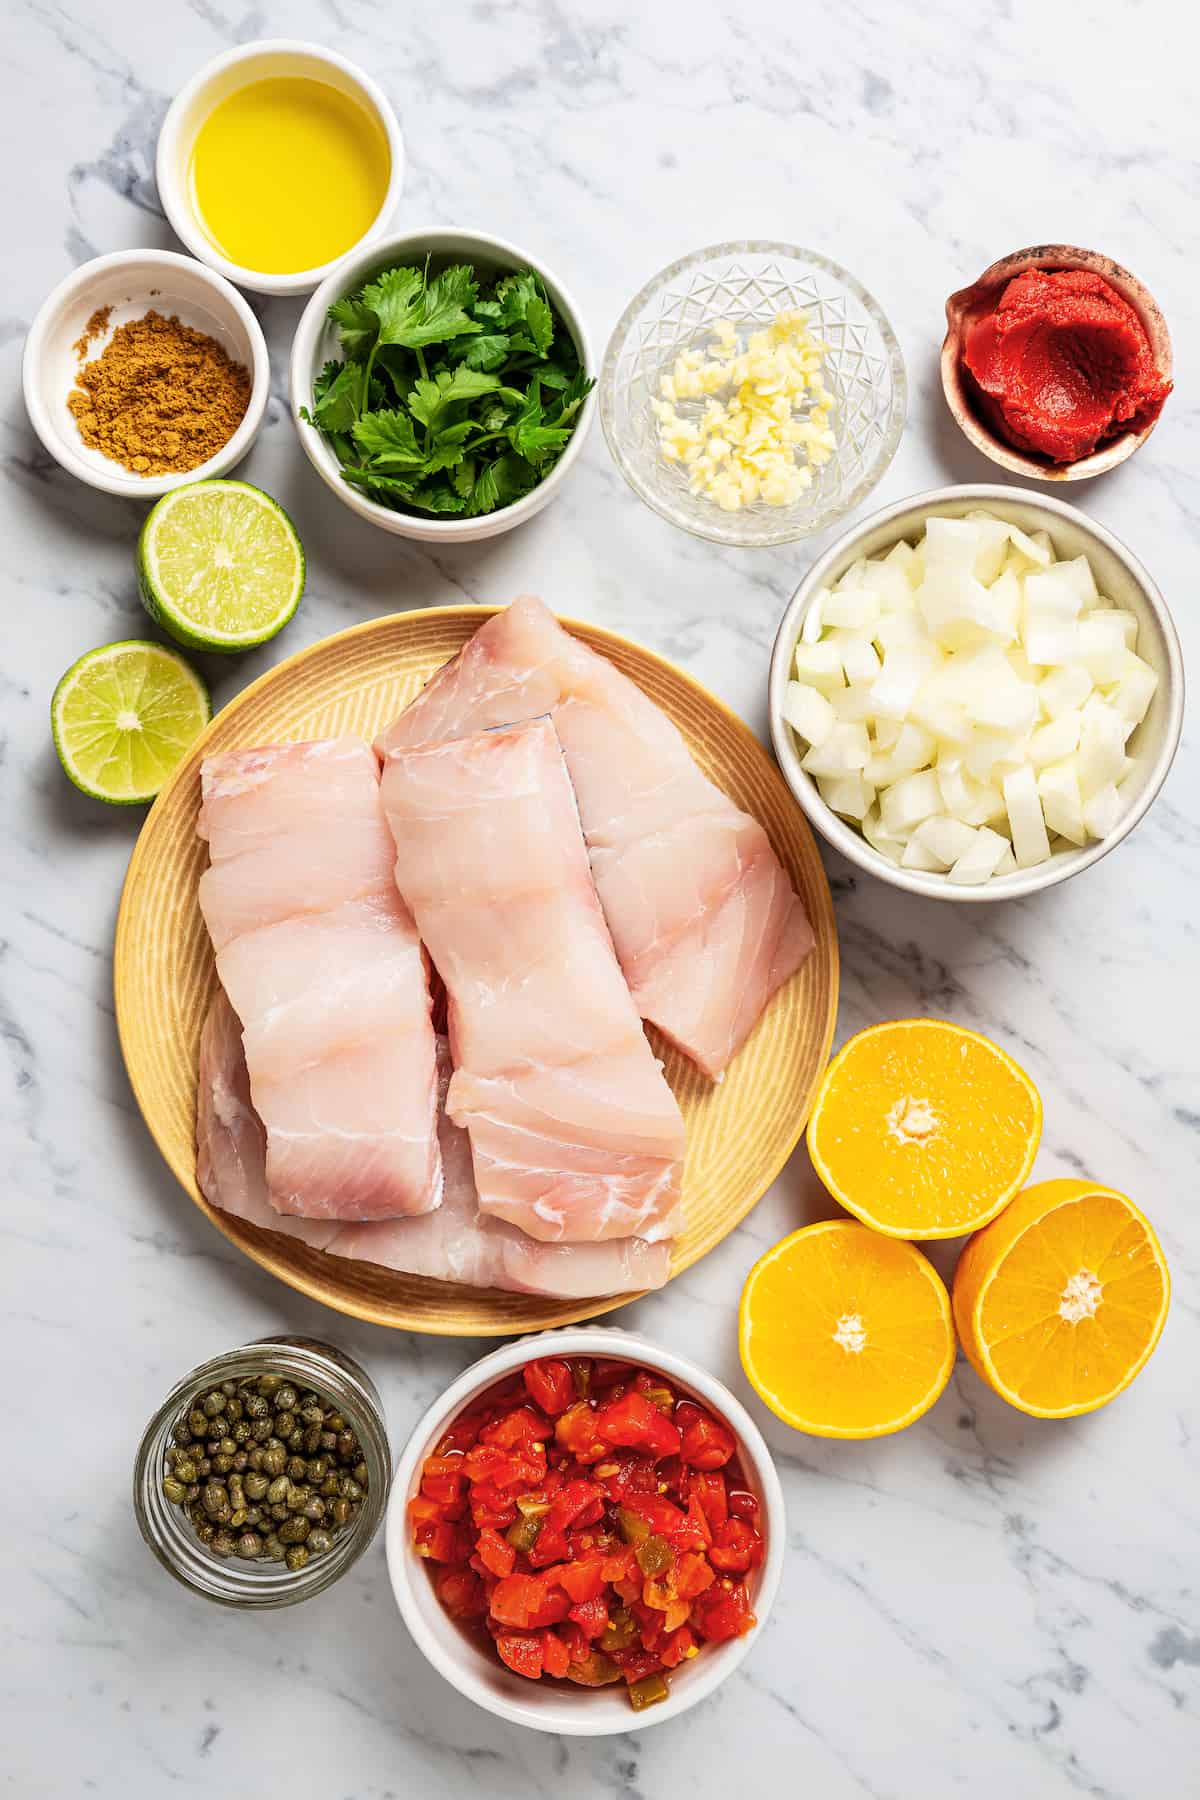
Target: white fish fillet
{"points": [[454, 1243], [575, 1133], [702, 914], [321, 961]]}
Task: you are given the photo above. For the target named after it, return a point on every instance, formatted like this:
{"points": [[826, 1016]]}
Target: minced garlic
{"points": [[764, 439]]}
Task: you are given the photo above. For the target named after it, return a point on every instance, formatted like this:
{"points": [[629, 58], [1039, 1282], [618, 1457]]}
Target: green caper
{"points": [[294, 1531], [241, 1461], [203, 1467], [297, 1468], [240, 1432], [331, 1487], [286, 1399], [257, 1406], [339, 1512], [186, 1470], [296, 1497], [192, 1491], [226, 1446], [274, 1549], [312, 1439], [181, 1433], [229, 1387], [222, 1464], [174, 1490], [213, 1404], [311, 1410], [223, 1543], [350, 1488], [260, 1431], [206, 1531], [214, 1499], [249, 1545], [270, 1384], [254, 1517], [219, 1427], [278, 1490], [362, 1474], [237, 1518], [256, 1486], [279, 1511], [317, 1468], [234, 1410], [318, 1542], [347, 1446], [314, 1509], [296, 1558], [198, 1422], [335, 1422], [285, 1424]]}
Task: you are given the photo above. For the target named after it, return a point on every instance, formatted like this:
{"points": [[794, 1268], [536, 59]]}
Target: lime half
{"points": [[123, 716], [219, 565]]}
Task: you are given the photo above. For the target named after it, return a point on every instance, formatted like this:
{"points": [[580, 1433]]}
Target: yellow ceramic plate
{"points": [[740, 1130]]}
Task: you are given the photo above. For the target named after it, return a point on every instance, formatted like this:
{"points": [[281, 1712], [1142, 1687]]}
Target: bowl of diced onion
{"points": [[976, 693], [752, 393]]}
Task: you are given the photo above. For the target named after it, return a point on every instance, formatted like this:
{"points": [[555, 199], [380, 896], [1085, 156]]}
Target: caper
{"points": [[285, 1398], [213, 1403], [256, 1486], [314, 1509], [203, 1467], [241, 1432], [285, 1424], [347, 1446], [275, 1549], [229, 1387], [350, 1488], [186, 1470], [219, 1427], [249, 1545], [257, 1406], [312, 1439], [214, 1499], [331, 1487], [339, 1512], [241, 1461], [317, 1468], [297, 1468], [181, 1433], [335, 1422], [226, 1446], [270, 1384], [175, 1490], [318, 1542], [274, 1461], [206, 1531], [254, 1517], [198, 1422], [279, 1511], [223, 1543], [328, 1439], [278, 1490], [235, 1409], [311, 1410], [294, 1531], [237, 1518], [296, 1558], [362, 1474], [296, 1497], [222, 1464], [192, 1491]]}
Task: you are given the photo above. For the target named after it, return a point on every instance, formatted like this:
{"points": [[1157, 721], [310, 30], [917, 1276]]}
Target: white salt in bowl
{"points": [[474, 1668], [1121, 579]]}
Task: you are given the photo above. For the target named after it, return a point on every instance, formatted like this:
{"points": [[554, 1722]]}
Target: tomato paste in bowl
{"points": [[1056, 363], [589, 1535]]}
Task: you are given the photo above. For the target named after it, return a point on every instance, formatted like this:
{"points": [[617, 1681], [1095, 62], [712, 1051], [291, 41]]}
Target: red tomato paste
{"points": [[593, 1523], [1062, 363]]}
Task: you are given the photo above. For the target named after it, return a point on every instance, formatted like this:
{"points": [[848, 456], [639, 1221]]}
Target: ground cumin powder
{"points": [[161, 398]]}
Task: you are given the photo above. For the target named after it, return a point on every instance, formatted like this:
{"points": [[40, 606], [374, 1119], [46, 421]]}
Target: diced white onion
{"points": [[1026, 824], [980, 859], [808, 712]]}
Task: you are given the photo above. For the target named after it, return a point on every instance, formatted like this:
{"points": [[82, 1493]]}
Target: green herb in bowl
{"points": [[455, 394]]}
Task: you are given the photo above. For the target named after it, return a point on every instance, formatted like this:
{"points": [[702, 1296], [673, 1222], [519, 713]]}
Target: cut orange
{"points": [[845, 1334], [1060, 1302], [923, 1129]]}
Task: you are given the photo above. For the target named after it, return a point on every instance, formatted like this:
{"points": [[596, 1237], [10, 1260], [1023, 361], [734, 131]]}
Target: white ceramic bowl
{"points": [[316, 341], [132, 282], [218, 79], [478, 1673], [1121, 578]]}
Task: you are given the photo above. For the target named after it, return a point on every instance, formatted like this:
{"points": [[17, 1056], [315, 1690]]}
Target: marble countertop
{"points": [[983, 1604]]}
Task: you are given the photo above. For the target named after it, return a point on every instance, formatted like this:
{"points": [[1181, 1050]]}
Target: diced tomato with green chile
{"points": [[596, 1525]]}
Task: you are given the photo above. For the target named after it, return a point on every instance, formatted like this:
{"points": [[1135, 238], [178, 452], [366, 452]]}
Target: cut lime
{"points": [[219, 565], [123, 716]]}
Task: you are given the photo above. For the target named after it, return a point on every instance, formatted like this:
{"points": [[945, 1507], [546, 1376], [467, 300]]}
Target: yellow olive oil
{"points": [[288, 173]]}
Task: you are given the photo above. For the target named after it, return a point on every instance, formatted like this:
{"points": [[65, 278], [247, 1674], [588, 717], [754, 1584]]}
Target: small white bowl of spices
{"points": [[143, 370]]}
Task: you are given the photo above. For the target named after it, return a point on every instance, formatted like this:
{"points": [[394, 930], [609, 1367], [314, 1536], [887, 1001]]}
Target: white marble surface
{"points": [[984, 1604]]}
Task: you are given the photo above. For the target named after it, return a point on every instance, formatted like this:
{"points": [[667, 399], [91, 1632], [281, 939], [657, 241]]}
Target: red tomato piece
{"points": [[440, 1541], [707, 1488], [421, 1509], [522, 1429], [528, 1601], [556, 1658], [575, 1431], [723, 1611], [551, 1385], [636, 1422], [583, 1580], [522, 1651], [736, 1547], [661, 1515], [591, 1615], [495, 1552], [707, 1444], [461, 1593]]}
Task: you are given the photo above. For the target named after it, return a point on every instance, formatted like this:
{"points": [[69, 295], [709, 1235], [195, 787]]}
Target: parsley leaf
{"points": [[487, 352], [432, 399], [389, 434], [337, 396]]}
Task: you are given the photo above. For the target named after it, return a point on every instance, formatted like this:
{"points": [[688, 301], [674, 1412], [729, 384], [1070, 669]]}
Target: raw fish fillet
{"points": [[702, 915], [451, 1244], [574, 1132], [321, 961]]}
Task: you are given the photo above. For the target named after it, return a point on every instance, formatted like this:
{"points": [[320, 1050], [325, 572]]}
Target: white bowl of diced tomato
{"points": [[585, 1533]]}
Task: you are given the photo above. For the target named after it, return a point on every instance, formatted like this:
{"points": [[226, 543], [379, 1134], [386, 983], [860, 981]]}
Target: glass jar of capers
{"points": [[264, 1473]]}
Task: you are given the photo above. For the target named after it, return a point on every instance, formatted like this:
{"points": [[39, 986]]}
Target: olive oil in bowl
{"points": [[287, 174]]}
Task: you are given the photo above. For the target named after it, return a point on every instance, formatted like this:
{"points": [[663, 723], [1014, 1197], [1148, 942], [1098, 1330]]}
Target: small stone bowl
{"points": [[968, 303]]}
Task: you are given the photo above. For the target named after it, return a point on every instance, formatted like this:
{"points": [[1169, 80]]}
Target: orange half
{"points": [[923, 1129], [1061, 1300], [844, 1333]]}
